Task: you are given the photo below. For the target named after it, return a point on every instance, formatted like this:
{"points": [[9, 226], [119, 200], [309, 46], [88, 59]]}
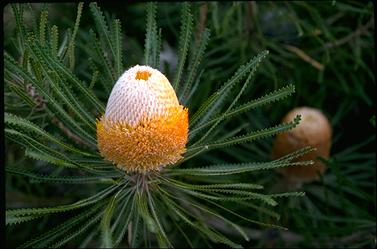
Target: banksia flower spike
{"points": [[315, 131], [144, 127]]}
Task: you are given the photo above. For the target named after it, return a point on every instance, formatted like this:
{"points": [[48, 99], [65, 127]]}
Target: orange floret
{"points": [[147, 146]]}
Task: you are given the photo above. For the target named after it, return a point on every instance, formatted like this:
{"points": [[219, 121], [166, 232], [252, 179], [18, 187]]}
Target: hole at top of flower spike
{"points": [[142, 75]]}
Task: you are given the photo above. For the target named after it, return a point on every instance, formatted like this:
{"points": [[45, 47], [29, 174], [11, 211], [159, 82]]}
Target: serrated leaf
{"points": [[194, 64], [247, 219], [124, 220], [226, 169], [54, 40], [11, 65], [60, 179], [48, 237], [205, 230], [104, 62], [184, 42], [235, 226], [117, 40], [162, 238], [151, 37], [245, 85], [62, 70], [288, 194], [18, 11], [269, 98], [19, 91], [39, 151], [248, 137], [71, 45], [214, 102], [83, 228], [106, 234], [227, 198], [29, 127], [42, 26], [144, 212], [135, 230], [48, 210], [102, 27], [13, 220], [58, 84]]}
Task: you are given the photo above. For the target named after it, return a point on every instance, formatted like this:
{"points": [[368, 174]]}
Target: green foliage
{"points": [[184, 42], [151, 37], [57, 80]]}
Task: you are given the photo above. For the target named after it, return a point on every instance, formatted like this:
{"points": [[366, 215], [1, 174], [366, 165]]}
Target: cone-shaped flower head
{"points": [[314, 130], [144, 128]]}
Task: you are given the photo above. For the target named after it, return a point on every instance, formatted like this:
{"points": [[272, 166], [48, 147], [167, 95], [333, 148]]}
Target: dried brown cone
{"points": [[314, 130]]}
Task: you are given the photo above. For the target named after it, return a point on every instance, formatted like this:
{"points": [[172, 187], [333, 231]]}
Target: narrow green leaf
{"points": [[94, 79], [20, 92], [89, 238], [195, 86], [39, 151], [42, 55], [212, 212], [104, 61], [60, 89], [227, 169], [135, 230], [29, 127], [48, 237], [144, 212], [158, 48], [62, 51], [10, 65], [117, 40], [269, 98], [89, 222], [66, 73], [163, 239], [18, 11], [288, 194], [54, 40], [261, 209], [247, 219], [246, 195], [13, 220], [183, 233], [248, 137], [106, 235], [127, 194], [184, 42], [124, 220], [215, 100], [151, 35], [194, 64], [296, 154], [48, 210], [214, 236], [42, 27], [245, 85], [71, 45], [60, 179], [101, 26], [217, 186]]}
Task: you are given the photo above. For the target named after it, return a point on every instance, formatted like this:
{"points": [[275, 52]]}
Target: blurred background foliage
{"points": [[324, 48]]}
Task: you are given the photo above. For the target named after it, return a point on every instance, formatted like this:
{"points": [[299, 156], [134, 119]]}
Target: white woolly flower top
{"points": [[141, 93]]}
